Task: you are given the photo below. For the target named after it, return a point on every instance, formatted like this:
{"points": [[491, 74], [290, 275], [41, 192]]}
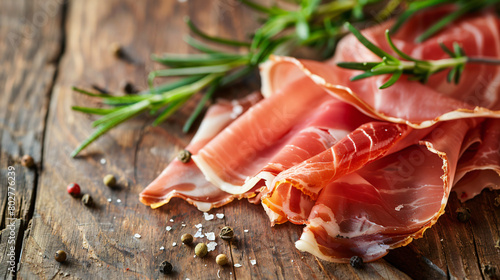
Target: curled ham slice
{"points": [[185, 180], [365, 170]]}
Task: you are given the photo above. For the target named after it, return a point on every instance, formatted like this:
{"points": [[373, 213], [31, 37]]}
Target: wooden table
{"points": [[47, 47]]}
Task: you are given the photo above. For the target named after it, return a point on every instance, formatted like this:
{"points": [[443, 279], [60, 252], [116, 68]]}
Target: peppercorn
{"points": [[356, 262], [129, 88], [184, 156], [109, 180], [60, 256], [27, 161], [117, 50], [73, 189], [463, 214], [221, 259], [201, 250], [166, 267], [87, 200], [187, 238], [226, 233]]}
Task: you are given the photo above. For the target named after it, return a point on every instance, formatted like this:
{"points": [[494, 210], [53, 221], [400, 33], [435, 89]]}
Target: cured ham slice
{"points": [[185, 180], [365, 170], [386, 203]]}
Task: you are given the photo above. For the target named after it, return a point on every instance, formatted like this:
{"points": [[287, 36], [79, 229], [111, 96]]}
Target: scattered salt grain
{"points": [[399, 207], [253, 262], [183, 225], [168, 228], [237, 265], [174, 244], [210, 235], [109, 199], [118, 200], [230, 273], [211, 246], [198, 226], [208, 217], [137, 236], [171, 220], [199, 234], [246, 230], [220, 215], [103, 161], [291, 260], [162, 248], [218, 273]]}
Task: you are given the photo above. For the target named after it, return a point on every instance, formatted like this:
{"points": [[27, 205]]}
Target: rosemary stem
{"points": [[483, 60]]}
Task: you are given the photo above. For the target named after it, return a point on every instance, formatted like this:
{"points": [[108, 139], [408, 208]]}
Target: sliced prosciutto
{"points": [[365, 170], [185, 180]]}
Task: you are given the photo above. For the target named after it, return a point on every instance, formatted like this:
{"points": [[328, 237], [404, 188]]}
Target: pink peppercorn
{"points": [[73, 189]]}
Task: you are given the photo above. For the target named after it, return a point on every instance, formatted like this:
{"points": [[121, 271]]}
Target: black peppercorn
{"points": [[463, 214], [226, 233], [87, 200], [27, 161], [60, 256], [187, 238], [356, 262], [184, 156], [166, 267]]}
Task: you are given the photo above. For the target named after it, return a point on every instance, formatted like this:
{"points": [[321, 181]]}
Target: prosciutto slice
{"points": [[365, 170], [185, 180]]}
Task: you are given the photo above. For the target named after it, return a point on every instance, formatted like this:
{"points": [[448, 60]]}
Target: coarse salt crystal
{"points": [[219, 215], [210, 235], [109, 199], [198, 226], [103, 161], [137, 235], [162, 248], [237, 265], [199, 234], [253, 262], [208, 217], [183, 225], [171, 220], [246, 230], [118, 200], [174, 244], [168, 228], [211, 246]]}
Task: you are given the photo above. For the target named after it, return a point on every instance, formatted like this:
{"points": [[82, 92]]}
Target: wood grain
{"points": [[30, 32], [100, 239]]}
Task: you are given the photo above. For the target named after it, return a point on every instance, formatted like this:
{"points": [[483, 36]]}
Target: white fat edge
{"points": [[211, 126], [268, 178], [203, 206], [265, 81], [307, 243], [210, 176], [273, 216]]}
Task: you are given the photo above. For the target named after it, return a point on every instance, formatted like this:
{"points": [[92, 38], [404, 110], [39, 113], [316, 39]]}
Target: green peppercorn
{"points": [[27, 161], [166, 267], [109, 180], [184, 156], [356, 262], [201, 250], [60, 256], [87, 199], [226, 233], [187, 238], [463, 214], [221, 259]]}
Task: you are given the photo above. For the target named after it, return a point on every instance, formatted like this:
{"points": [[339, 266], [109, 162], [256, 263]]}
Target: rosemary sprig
{"points": [[311, 24], [415, 69]]}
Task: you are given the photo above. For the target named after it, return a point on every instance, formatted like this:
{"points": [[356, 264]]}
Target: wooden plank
{"points": [[30, 32], [100, 240]]}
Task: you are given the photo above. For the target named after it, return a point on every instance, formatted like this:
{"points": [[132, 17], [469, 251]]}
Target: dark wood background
{"points": [[47, 46]]}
